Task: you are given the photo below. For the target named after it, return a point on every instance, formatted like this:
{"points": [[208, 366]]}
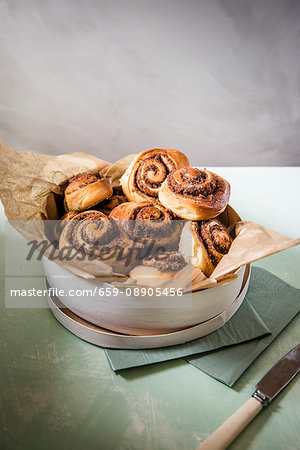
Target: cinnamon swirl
{"points": [[195, 194], [61, 223], [151, 223], [204, 244], [148, 170], [86, 190], [92, 235]]}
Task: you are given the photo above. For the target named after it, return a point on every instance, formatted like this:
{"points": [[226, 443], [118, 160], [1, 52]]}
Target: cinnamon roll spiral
{"points": [[195, 194], [86, 190], [204, 244], [150, 223], [62, 222], [92, 235], [148, 170]]}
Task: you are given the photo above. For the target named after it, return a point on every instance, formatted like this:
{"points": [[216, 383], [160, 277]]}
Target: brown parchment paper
{"points": [[29, 181], [31, 190]]}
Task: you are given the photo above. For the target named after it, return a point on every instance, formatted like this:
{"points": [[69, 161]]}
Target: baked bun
{"points": [[86, 190], [155, 270], [146, 173], [195, 194], [112, 202], [150, 223], [204, 244], [94, 236]]}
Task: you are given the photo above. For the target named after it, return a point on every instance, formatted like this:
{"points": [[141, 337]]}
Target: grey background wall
{"points": [[217, 79]]}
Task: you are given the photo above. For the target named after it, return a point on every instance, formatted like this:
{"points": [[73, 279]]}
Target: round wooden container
{"points": [[138, 315], [110, 339]]}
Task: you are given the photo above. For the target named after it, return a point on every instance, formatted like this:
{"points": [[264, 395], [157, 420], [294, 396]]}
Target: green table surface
{"points": [[58, 392]]}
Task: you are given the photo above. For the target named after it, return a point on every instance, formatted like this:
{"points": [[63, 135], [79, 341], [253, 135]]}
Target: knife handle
{"points": [[229, 430]]}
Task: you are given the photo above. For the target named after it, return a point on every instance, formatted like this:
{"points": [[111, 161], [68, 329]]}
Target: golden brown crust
{"points": [[108, 205], [86, 190], [195, 194], [79, 181], [148, 170], [210, 242], [147, 222]]}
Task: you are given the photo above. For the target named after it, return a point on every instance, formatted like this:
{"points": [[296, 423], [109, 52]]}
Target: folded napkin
{"points": [[270, 304], [244, 325], [277, 303]]}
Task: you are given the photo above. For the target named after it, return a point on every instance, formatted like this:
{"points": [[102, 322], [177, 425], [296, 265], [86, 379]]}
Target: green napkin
{"points": [[277, 303], [270, 304], [243, 326]]}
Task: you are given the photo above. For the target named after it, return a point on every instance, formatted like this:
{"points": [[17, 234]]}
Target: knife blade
{"points": [[278, 377], [267, 389]]}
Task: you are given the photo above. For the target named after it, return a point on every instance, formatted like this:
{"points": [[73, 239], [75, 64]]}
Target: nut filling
{"points": [[215, 238], [81, 180], [192, 182], [166, 262], [152, 172], [152, 222]]}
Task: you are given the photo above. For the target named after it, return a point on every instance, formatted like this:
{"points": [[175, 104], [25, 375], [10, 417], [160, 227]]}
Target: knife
{"points": [[266, 390]]}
